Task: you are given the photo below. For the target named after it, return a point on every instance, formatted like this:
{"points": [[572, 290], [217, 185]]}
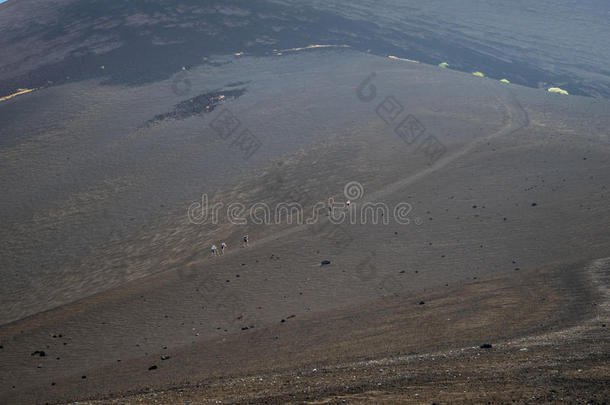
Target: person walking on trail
{"points": [[223, 246], [214, 250], [330, 206], [245, 240], [348, 203]]}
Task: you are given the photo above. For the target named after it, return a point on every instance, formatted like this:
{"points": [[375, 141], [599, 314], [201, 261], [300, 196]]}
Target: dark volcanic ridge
{"points": [[141, 42]]}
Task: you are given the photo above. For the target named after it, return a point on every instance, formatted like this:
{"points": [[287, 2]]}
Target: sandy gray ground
{"points": [[521, 193], [561, 356]]}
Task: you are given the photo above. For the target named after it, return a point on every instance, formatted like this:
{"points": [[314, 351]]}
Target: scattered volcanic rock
{"points": [[325, 262], [203, 103]]}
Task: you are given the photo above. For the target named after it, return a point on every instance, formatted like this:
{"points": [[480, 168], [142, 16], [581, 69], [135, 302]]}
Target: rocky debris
{"points": [[40, 353], [534, 204], [203, 103], [485, 346], [421, 302], [84, 377], [325, 263], [153, 367], [165, 357]]}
